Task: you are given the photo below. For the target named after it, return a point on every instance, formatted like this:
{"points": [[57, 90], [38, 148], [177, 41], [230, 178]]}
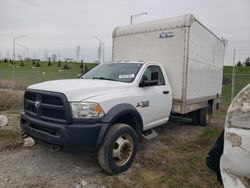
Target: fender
{"points": [[113, 114]]}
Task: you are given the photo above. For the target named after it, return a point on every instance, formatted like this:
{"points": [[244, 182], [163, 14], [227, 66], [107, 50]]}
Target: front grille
{"points": [[47, 106]]}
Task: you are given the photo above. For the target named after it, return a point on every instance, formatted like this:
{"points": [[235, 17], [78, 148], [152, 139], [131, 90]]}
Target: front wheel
{"points": [[118, 150]]}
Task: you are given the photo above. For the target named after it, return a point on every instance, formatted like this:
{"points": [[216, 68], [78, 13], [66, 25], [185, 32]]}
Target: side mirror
{"points": [[147, 83]]}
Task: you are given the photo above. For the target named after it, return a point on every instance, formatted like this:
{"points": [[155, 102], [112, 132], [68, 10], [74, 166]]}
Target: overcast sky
{"points": [[59, 26]]}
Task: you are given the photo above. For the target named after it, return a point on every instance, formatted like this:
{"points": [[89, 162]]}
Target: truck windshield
{"points": [[121, 72]]}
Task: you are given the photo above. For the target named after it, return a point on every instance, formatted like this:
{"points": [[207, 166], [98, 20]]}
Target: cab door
{"points": [[155, 97]]}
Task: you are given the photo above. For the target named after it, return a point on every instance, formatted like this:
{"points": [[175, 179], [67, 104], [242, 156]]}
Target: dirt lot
{"points": [[176, 158]]}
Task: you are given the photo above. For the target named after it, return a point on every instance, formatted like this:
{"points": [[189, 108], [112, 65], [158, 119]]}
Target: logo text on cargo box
{"points": [[166, 35]]}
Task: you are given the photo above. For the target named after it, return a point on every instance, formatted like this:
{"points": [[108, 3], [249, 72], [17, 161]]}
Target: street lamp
{"points": [[136, 15], [103, 50], [14, 56], [14, 45], [27, 50]]}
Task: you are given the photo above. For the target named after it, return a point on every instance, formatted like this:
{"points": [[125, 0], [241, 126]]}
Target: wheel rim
{"points": [[122, 149]]}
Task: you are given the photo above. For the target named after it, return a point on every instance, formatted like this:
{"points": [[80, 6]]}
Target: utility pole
{"points": [[77, 53], [103, 48], [27, 50], [136, 15], [14, 45], [233, 78], [14, 57]]}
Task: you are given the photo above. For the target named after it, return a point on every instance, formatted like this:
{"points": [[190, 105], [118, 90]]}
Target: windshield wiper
{"points": [[103, 78]]}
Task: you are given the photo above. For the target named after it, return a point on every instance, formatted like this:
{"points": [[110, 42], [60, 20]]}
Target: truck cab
{"points": [[105, 110]]}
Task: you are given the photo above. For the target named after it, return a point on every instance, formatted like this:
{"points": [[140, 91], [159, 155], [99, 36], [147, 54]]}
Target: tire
{"points": [[205, 115], [195, 117], [119, 148]]}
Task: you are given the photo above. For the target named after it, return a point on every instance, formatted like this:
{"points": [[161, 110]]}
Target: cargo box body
{"points": [[191, 54]]}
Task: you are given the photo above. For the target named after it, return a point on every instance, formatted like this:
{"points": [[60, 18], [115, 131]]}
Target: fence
{"points": [[240, 81]]}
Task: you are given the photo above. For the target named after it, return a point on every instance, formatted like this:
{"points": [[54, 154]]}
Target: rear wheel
{"points": [[205, 115], [118, 150], [202, 116], [195, 117]]}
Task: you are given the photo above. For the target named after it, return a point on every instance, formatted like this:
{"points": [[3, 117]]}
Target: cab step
{"points": [[149, 134]]}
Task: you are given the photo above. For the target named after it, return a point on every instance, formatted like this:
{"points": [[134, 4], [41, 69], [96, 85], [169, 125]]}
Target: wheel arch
{"points": [[122, 113]]}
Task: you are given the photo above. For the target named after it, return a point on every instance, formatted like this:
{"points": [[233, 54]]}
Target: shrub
{"points": [[5, 60], [66, 67], [49, 63], [38, 64], [59, 63], [21, 64], [247, 61], [33, 62], [239, 64]]}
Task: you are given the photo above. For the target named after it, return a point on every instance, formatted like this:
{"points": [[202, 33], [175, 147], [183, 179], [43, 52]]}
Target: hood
{"points": [[81, 89]]}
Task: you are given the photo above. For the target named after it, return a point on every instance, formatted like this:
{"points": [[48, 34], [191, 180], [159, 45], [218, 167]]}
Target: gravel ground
{"points": [[38, 167]]}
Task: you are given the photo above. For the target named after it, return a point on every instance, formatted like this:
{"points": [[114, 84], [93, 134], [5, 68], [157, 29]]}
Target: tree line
{"points": [[246, 62]]}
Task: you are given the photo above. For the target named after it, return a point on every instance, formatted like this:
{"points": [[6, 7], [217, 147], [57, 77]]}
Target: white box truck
{"points": [[156, 64], [191, 55]]}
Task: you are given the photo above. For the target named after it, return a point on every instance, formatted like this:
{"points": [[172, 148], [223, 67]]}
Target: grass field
{"points": [[28, 67], [29, 73]]}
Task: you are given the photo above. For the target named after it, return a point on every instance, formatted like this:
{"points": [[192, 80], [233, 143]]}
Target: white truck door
{"points": [[155, 101]]}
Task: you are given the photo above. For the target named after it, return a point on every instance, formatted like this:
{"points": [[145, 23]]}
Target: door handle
{"points": [[165, 92]]}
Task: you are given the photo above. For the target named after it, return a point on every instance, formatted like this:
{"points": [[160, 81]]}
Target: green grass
{"points": [[239, 70]]}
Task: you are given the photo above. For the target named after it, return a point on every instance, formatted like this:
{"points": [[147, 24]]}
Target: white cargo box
{"points": [[191, 54]]}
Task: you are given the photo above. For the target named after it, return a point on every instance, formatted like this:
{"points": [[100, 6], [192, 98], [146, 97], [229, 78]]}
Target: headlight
{"points": [[86, 110]]}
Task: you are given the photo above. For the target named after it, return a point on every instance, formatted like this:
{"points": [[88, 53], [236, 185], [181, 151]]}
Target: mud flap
{"points": [[214, 155]]}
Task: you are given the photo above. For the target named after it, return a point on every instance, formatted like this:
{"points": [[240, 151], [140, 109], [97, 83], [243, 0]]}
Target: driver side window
{"points": [[153, 72]]}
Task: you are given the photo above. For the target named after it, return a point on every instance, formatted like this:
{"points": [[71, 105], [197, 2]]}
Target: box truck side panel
{"points": [[205, 63], [166, 46]]}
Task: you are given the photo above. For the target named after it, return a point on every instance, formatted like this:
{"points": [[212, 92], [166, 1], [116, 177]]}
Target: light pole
{"points": [[136, 15], [14, 56], [27, 50], [14, 45], [103, 50]]}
